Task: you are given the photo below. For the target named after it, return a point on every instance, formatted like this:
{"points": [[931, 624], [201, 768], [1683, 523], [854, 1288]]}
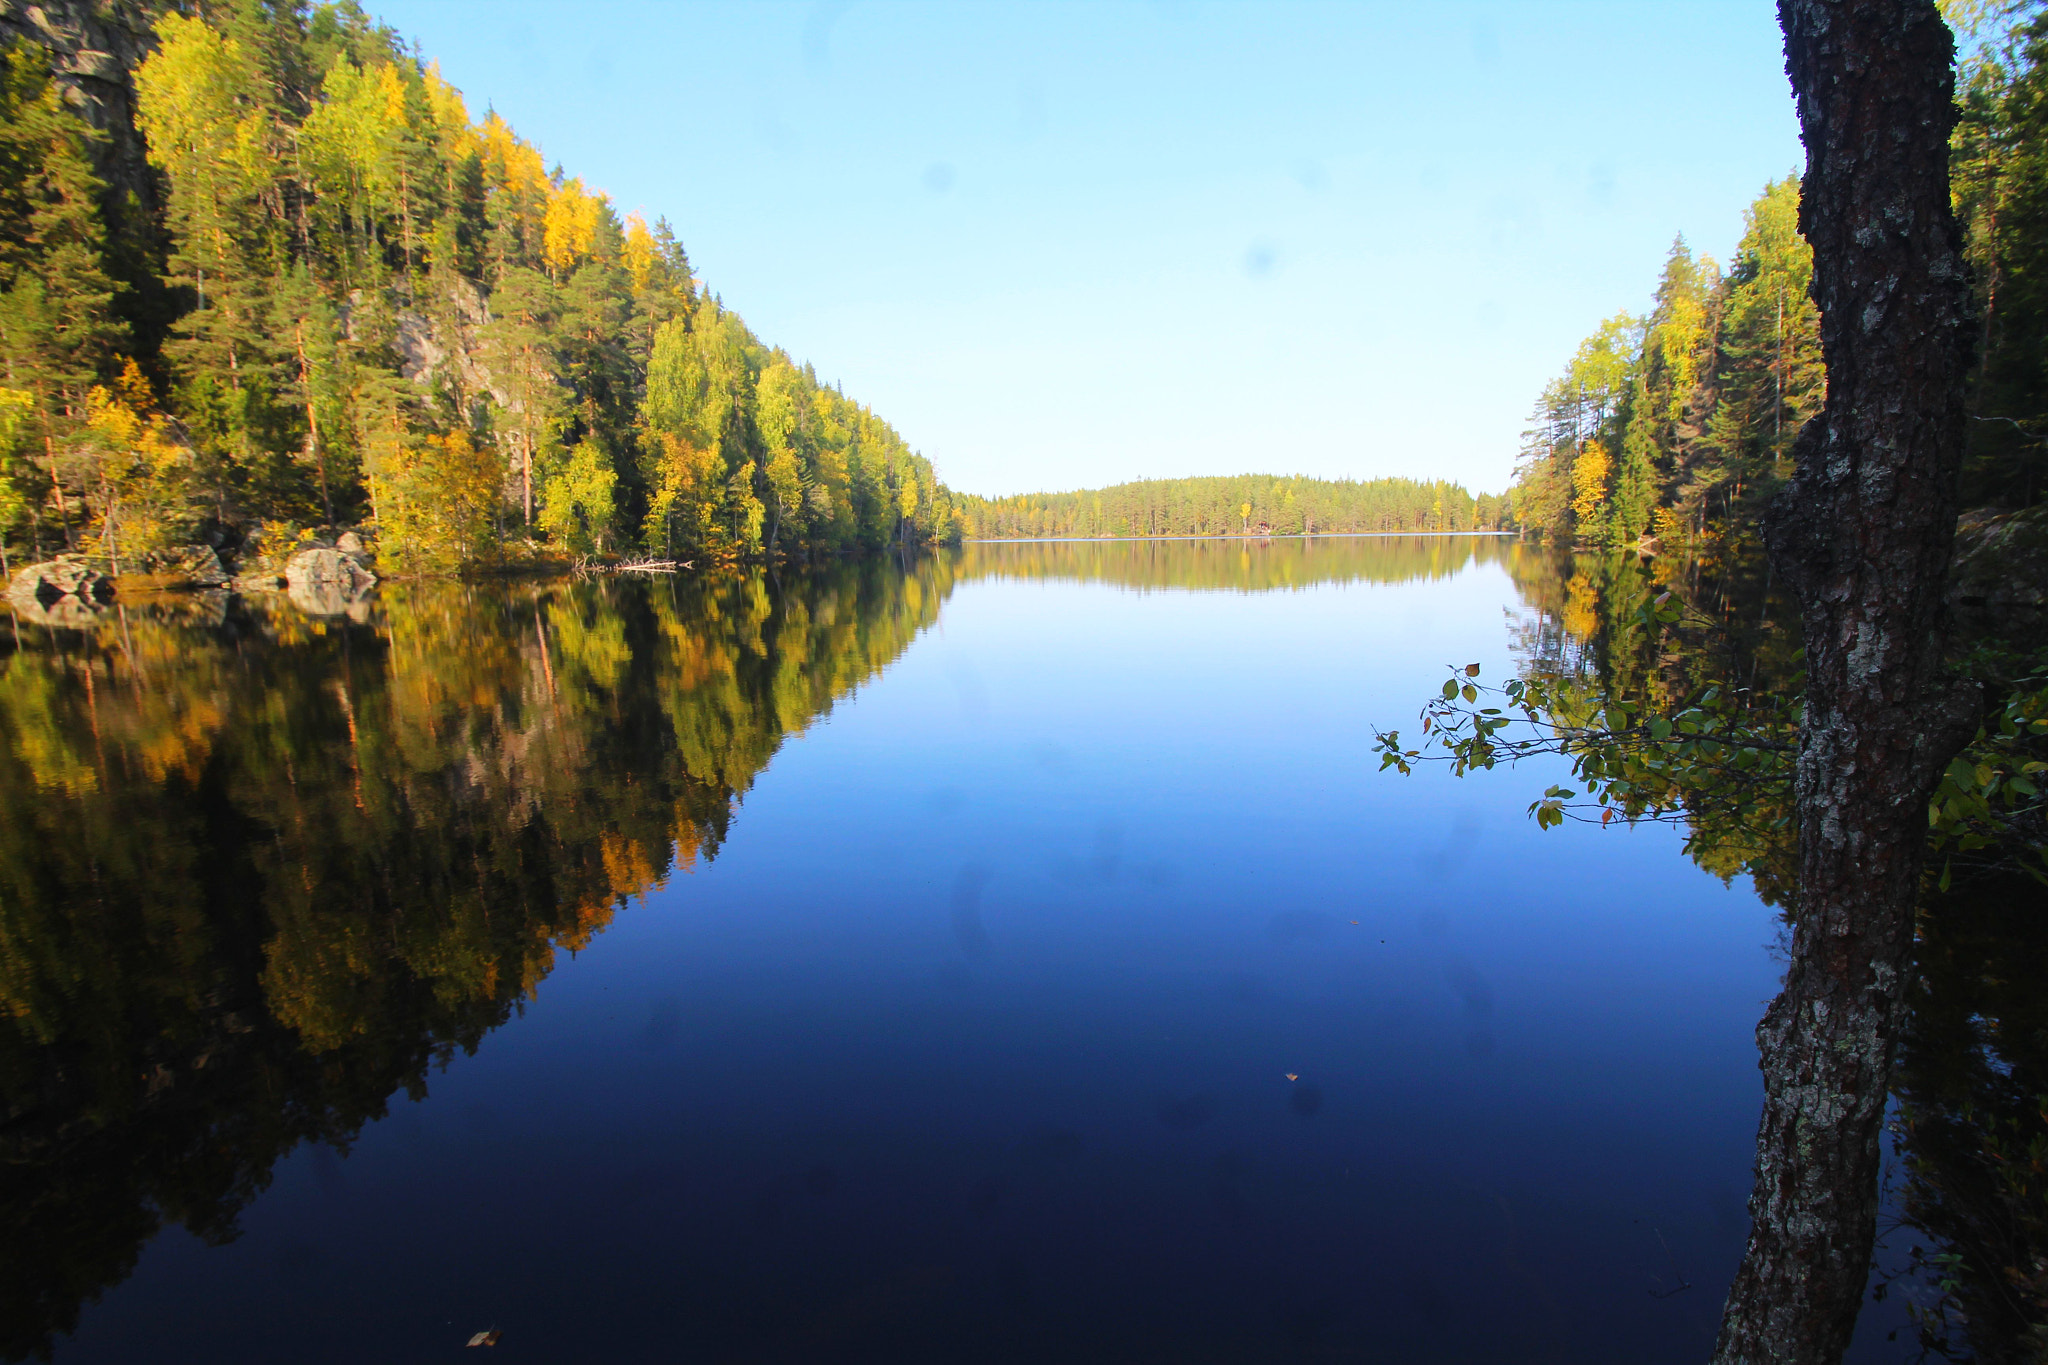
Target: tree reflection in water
{"points": [[259, 874], [260, 871], [1970, 1133]]}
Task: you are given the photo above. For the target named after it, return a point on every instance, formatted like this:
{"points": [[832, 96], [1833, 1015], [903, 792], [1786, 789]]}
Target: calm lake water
{"points": [[1011, 956]]}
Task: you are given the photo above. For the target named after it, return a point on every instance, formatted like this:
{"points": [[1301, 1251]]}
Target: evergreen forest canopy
{"points": [[331, 296], [1262, 504], [1677, 425], [1664, 681]]}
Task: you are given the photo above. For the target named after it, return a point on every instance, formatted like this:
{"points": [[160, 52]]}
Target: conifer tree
{"points": [[378, 292], [58, 333]]}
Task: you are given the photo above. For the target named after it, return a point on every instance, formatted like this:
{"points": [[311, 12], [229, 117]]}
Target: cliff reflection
{"points": [[260, 871]]}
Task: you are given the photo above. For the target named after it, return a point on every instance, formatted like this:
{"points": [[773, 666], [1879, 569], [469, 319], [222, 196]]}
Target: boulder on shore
{"points": [[65, 591], [65, 576], [196, 566], [324, 582]]}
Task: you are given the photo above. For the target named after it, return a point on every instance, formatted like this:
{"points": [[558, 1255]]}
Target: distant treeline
{"points": [[1262, 504], [304, 287]]}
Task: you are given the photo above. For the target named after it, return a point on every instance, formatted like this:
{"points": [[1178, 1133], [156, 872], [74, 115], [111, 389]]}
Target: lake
{"points": [[1007, 955]]}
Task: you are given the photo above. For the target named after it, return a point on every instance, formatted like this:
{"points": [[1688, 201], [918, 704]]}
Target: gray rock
{"points": [[69, 613], [325, 582], [94, 46], [195, 565], [67, 576], [350, 544], [323, 599]]}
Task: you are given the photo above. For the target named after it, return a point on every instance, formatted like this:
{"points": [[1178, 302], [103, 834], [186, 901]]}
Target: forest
{"points": [[1662, 657], [1246, 504], [1671, 429], [293, 284]]}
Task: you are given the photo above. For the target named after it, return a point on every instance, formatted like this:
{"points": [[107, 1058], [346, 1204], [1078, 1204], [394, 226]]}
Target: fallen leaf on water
{"points": [[1292, 1076], [489, 1338]]}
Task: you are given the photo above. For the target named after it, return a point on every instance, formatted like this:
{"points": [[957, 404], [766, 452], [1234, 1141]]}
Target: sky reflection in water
{"points": [[974, 1039]]}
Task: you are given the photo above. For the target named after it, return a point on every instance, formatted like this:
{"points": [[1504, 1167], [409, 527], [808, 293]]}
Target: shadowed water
{"points": [[1005, 956]]}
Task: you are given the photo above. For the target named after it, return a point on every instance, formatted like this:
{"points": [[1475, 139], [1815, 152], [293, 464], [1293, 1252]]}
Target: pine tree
{"points": [[58, 334]]}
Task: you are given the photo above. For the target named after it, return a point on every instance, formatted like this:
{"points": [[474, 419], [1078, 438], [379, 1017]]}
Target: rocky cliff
{"points": [[94, 48]]}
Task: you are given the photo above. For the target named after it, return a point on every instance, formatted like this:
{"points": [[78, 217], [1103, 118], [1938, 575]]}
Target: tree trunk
{"points": [[1863, 535], [313, 422], [56, 484]]}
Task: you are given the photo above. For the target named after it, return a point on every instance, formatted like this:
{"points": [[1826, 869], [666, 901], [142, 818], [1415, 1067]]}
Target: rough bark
{"points": [[1863, 535]]}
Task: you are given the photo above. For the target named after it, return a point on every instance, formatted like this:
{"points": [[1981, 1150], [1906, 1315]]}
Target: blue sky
{"points": [[1061, 245]]}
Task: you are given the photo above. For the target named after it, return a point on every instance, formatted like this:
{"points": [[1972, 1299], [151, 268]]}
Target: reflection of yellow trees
{"points": [[1971, 1126], [45, 745], [758, 663], [1586, 639], [1581, 607], [254, 879]]}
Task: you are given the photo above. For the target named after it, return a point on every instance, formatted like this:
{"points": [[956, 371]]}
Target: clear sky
{"points": [[1062, 245]]}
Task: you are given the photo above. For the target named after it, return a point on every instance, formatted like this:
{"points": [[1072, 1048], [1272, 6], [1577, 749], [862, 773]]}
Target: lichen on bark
{"points": [[1863, 534]]}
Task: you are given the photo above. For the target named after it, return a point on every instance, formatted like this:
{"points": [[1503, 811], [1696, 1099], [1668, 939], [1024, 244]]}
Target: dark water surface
{"points": [[1011, 957]]}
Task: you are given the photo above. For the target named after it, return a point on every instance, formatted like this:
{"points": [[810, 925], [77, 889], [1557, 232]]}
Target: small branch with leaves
{"points": [[1719, 761]]}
